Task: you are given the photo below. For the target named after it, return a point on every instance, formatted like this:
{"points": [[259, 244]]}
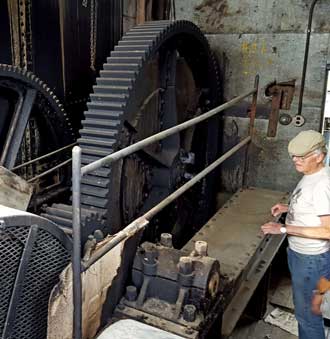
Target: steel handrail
{"points": [[140, 223], [43, 157]]}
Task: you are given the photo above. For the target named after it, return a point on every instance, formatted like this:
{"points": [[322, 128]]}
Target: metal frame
{"points": [[78, 172], [8, 226]]}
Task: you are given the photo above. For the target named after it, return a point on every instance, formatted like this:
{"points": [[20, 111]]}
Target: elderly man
{"points": [[308, 227]]}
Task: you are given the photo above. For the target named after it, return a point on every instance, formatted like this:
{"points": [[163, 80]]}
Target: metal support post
{"points": [[76, 258], [253, 111]]}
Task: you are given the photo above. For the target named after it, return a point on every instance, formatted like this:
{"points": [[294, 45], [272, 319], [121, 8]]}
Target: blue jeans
{"points": [[306, 270]]}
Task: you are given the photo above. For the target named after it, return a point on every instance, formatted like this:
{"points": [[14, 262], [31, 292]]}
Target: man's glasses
{"points": [[302, 158]]}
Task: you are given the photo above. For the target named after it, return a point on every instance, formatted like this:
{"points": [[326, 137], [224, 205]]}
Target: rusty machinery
{"points": [[160, 74]]}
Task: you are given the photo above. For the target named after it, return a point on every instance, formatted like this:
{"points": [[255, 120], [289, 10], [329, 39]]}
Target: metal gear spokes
{"points": [[32, 123], [160, 74]]}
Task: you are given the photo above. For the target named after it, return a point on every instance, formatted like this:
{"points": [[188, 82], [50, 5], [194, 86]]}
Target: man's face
{"points": [[309, 163]]}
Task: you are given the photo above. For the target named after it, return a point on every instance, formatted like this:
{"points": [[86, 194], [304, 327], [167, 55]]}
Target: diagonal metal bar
{"points": [[17, 128], [62, 164], [17, 291], [44, 156]]}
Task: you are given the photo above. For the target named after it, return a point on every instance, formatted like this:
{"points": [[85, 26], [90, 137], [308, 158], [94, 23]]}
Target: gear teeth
{"points": [[112, 106], [134, 43], [95, 181], [95, 191], [96, 134], [108, 97], [130, 54], [115, 82], [102, 114], [90, 200], [125, 90], [61, 215], [88, 142], [137, 37], [132, 48], [122, 66], [116, 74]]}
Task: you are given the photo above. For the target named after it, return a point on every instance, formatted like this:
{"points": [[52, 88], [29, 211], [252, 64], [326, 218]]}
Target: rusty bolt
{"points": [[185, 265], [201, 248], [189, 313], [166, 239], [150, 254], [131, 293]]}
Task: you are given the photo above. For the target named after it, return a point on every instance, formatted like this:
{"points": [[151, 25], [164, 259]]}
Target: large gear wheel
{"points": [[32, 123], [160, 74]]}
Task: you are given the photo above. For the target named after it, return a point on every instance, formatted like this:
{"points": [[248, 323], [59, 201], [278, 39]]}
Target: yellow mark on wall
{"points": [[254, 57]]}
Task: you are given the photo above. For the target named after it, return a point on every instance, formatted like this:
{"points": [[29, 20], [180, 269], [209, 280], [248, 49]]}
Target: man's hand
{"points": [[271, 228], [279, 209], [316, 303]]}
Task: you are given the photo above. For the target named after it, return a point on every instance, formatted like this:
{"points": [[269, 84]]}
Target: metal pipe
{"points": [[253, 112], [159, 136], [43, 157], [50, 170], [76, 255], [303, 77], [143, 221]]}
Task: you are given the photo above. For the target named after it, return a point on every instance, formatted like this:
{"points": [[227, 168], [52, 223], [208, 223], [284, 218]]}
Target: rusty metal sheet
{"points": [[233, 233], [15, 192]]}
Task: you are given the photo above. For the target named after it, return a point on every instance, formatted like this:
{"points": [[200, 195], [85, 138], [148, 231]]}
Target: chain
{"points": [[93, 34], [22, 33], [28, 35]]}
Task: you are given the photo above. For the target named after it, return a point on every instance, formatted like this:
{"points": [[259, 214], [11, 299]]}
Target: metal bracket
{"points": [[282, 96]]}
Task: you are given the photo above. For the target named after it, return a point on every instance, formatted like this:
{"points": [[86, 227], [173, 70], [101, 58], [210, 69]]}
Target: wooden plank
{"points": [[15, 192], [140, 12]]}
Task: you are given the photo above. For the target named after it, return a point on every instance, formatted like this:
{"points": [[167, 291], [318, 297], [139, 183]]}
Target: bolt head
{"points": [[131, 293], [189, 312], [201, 248], [166, 239], [185, 265]]}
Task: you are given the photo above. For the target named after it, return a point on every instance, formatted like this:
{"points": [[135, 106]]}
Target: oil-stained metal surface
{"points": [[233, 234], [15, 192]]}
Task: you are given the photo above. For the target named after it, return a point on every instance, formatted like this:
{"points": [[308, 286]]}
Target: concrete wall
{"points": [[265, 37]]}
